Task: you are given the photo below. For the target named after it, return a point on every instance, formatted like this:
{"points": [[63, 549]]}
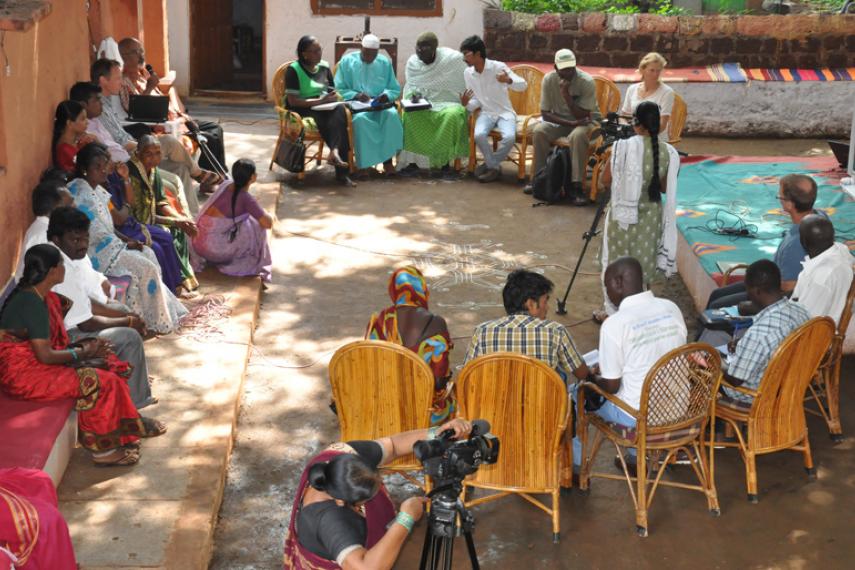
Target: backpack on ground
{"points": [[552, 182]]}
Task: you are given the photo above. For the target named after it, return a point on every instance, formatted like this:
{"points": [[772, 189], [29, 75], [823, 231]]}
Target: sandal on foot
{"points": [[599, 317], [152, 427], [208, 181], [121, 457]]}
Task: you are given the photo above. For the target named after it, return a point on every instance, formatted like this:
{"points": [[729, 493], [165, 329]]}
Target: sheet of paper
{"points": [[420, 104], [358, 105], [327, 106], [591, 358], [732, 311]]}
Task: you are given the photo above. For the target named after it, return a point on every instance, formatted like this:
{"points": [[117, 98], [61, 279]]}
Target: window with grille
{"points": [[378, 7]]}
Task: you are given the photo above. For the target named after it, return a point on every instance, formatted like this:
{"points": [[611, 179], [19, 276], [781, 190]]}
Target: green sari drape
{"points": [[149, 195]]}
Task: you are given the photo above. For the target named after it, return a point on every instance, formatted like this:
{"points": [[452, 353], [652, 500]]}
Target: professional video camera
{"points": [[448, 462], [612, 130]]}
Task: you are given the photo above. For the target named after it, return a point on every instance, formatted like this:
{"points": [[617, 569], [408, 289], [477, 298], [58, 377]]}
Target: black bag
{"points": [[552, 182], [291, 154]]}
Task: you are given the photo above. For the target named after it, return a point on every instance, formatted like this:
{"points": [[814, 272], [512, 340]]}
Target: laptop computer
{"points": [[148, 108]]}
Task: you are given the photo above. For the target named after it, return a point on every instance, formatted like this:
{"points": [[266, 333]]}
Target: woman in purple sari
{"points": [[233, 228]]}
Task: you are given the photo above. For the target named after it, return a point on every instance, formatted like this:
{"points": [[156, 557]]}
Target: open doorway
{"points": [[227, 46]]}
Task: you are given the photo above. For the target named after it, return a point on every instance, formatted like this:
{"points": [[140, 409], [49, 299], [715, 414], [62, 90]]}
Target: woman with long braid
{"points": [[642, 171]]}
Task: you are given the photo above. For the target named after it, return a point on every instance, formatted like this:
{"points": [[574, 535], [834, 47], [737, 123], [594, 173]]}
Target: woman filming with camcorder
{"points": [[343, 516], [641, 221]]}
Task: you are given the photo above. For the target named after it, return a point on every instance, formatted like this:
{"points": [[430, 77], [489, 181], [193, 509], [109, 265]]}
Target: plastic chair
{"points": [[525, 402], [825, 387], [380, 389], [775, 420], [677, 405], [290, 123], [527, 106]]}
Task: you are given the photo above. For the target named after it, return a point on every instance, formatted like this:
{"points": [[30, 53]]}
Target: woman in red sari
{"points": [[37, 363], [69, 134], [342, 515], [33, 534]]}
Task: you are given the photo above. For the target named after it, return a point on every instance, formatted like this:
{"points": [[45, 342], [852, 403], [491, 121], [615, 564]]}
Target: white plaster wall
{"points": [[287, 20], [178, 34]]}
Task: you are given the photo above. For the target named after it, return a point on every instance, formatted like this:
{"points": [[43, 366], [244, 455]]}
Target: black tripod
{"points": [[200, 139], [587, 236], [448, 519]]}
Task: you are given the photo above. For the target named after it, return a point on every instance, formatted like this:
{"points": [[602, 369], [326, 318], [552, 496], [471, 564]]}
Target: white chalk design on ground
{"points": [[483, 264]]}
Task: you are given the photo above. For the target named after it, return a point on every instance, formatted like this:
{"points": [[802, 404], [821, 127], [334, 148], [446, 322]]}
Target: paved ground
{"points": [[333, 251]]}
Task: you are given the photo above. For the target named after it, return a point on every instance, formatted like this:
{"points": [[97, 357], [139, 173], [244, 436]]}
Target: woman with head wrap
{"points": [[408, 322]]}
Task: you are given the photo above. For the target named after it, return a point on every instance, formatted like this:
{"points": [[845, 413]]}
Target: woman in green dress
{"points": [[642, 171]]}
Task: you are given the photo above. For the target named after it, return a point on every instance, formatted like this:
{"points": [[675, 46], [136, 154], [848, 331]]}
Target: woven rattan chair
{"points": [[679, 110], [677, 404], [608, 101], [527, 106], [775, 420], [824, 390], [290, 123], [380, 389], [525, 402]]}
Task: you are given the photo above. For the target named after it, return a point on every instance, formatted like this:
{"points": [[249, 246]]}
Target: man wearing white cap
{"points": [[487, 84], [568, 106], [367, 76]]}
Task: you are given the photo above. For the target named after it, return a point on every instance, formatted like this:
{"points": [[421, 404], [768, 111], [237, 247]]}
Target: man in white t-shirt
{"points": [[826, 274], [90, 316], [487, 84], [50, 193], [644, 329]]}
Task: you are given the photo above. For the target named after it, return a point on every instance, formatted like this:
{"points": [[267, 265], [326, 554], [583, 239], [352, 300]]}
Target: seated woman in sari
{"points": [[408, 322], [31, 527], [342, 515], [233, 228], [151, 204], [69, 134], [115, 254], [37, 363]]}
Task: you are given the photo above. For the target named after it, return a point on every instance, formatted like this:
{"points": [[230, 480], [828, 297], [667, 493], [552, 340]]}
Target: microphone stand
{"points": [[587, 236]]}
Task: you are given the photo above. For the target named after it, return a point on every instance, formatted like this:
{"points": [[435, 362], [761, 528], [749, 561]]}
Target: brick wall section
{"points": [[620, 40]]}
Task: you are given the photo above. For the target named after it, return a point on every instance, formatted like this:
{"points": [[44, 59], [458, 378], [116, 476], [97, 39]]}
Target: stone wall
{"points": [[620, 40]]}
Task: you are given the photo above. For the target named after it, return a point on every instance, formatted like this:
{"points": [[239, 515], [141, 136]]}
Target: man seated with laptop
{"points": [[140, 79]]}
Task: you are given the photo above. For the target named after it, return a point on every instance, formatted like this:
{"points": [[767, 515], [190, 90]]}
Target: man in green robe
{"points": [[367, 77], [434, 138]]}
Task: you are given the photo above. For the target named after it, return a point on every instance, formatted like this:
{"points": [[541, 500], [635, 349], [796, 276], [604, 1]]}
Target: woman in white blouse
{"points": [[650, 89]]}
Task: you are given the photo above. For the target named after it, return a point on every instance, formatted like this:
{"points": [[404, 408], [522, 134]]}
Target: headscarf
{"points": [[408, 288]]}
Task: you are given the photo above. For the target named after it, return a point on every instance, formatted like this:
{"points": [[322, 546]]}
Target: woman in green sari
{"points": [[152, 202]]}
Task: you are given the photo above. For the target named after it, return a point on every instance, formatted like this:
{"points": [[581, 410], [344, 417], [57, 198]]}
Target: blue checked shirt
{"points": [[542, 339], [753, 351], [112, 121]]}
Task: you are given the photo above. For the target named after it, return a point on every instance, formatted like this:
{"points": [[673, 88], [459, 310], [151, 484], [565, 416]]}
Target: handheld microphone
{"points": [[479, 427], [149, 68]]}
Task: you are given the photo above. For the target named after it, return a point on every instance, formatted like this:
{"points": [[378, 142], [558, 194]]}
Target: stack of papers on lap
{"points": [[591, 358], [419, 105], [359, 106], [327, 106]]}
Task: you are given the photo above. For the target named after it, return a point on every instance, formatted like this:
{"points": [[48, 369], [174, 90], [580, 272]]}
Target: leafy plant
{"points": [[660, 7]]}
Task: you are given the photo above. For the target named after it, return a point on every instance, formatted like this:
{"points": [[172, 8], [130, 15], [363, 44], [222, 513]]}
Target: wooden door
{"points": [[210, 43]]}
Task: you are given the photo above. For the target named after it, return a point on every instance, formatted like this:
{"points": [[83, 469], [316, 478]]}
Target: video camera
{"points": [[449, 461], [612, 130]]}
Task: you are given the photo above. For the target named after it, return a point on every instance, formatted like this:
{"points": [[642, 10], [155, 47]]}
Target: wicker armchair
{"points": [[380, 389], [824, 390], [677, 405], [775, 420], [290, 123], [527, 106], [525, 402]]}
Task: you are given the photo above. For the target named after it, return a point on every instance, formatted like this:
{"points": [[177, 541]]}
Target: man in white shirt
{"points": [[487, 83], [644, 329], [90, 316], [826, 274], [50, 194]]}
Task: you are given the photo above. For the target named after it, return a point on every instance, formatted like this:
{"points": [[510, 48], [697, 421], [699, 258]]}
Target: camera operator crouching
{"points": [[342, 515]]}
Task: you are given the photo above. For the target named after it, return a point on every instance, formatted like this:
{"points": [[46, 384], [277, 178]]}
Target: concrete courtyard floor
{"points": [[333, 249]]}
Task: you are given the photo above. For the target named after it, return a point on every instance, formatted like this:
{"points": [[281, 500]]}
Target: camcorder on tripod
{"points": [[448, 462], [612, 130]]}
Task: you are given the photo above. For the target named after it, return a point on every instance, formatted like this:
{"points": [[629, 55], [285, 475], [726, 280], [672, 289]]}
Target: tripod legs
{"points": [[438, 551]]}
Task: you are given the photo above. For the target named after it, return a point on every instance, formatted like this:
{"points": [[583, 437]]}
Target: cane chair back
{"points": [[526, 104], [825, 390], [676, 406], [380, 389], [525, 402], [608, 95], [679, 111]]}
